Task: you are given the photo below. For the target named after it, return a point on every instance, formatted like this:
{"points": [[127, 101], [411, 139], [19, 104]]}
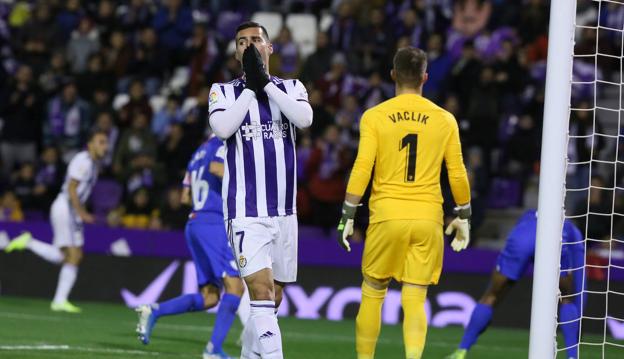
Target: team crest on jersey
{"points": [[242, 261], [212, 98]]}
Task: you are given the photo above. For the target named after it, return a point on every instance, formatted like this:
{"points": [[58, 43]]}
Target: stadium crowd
{"points": [[142, 69]]}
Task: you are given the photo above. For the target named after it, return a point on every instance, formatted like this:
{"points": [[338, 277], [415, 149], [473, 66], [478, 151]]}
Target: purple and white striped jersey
{"points": [[260, 177]]}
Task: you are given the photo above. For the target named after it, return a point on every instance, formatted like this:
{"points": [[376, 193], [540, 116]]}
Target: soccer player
{"points": [[67, 216], [208, 243], [406, 139], [256, 115], [510, 267]]}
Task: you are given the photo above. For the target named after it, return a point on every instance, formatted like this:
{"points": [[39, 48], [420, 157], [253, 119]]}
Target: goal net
{"points": [[593, 186]]}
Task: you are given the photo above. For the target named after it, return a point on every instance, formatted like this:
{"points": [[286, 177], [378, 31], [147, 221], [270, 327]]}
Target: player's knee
{"points": [[234, 285], [211, 297], [379, 284], [73, 256], [488, 299], [262, 291]]}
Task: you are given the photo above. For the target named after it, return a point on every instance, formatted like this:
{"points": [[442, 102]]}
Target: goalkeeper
{"points": [[510, 266], [406, 139]]}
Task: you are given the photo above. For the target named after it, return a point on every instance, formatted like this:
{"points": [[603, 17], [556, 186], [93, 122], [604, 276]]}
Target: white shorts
{"points": [[265, 242], [66, 225]]}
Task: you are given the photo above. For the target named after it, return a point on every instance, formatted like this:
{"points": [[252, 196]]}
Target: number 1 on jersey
{"points": [[411, 142]]}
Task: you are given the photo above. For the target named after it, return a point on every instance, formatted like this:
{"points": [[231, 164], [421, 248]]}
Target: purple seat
{"points": [[105, 197]]}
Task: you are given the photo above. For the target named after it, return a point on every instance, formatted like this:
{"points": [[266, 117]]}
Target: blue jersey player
{"points": [[511, 264], [207, 241]]}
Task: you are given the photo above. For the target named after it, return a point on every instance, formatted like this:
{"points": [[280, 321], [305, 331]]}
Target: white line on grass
{"points": [[51, 347], [30, 317]]}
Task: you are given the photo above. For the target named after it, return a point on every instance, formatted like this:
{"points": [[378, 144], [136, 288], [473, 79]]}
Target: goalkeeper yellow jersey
{"points": [[405, 140]]}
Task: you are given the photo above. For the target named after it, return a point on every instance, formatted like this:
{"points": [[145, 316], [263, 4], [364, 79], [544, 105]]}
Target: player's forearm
{"points": [[74, 201], [225, 122], [358, 181], [297, 112], [460, 187], [353, 199]]}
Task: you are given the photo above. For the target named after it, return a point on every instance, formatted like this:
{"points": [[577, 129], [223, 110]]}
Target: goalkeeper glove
{"points": [[345, 226], [461, 227], [255, 73]]}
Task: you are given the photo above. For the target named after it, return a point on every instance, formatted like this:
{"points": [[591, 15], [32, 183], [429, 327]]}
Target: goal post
{"points": [[550, 217]]}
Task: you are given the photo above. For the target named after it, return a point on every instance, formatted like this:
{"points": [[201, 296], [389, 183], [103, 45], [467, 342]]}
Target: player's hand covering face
{"points": [[256, 76]]}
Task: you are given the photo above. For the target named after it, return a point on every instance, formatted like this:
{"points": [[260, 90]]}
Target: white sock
{"points": [[67, 278], [263, 323], [249, 345], [46, 251]]}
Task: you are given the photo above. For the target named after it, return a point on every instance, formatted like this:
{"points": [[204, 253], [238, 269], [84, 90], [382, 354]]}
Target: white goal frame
{"points": [[543, 343]]}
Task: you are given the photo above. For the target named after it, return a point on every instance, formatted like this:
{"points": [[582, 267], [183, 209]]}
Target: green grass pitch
{"points": [[29, 330]]}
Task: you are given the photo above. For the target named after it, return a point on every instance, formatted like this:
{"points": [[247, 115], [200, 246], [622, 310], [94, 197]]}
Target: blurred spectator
{"points": [[483, 112], [175, 153], [196, 119], [533, 20], [137, 213], [285, 55], [377, 92], [84, 42], [135, 140], [336, 83], [374, 42], [348, 121], [318, 63], [55, 74], [205, 50], [38, 37], [174, 24], [135, 15], [21, 113], [170, 114], [465, 74], [523, 148], [326, 169], [439, 64], [172, 214], [95, 77], [343, 30], [10, 209], [411, 28], [23, 184], [322, 118], [68, 120], [138, 104], [105, 18], [101, 101], [49, 177], [150, 61], [471, 16], [104, 121], [118, 54], [69, 18]]}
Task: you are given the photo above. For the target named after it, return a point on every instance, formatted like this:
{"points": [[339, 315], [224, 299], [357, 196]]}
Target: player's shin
{"points": [[415, 322], [223, 322], [266, 330], [479, 321], [569, 315], [368, 321]]}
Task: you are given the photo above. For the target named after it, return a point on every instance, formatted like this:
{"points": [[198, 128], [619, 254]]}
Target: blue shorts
{"points": [[211, 252], [512, 262]]}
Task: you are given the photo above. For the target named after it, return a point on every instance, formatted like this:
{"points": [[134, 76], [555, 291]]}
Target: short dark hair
{"points": [[410, 64], [94, 132], [249, 24]]}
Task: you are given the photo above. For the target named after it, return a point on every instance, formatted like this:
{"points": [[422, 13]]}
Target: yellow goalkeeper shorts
{"points": [[409, 251]]}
